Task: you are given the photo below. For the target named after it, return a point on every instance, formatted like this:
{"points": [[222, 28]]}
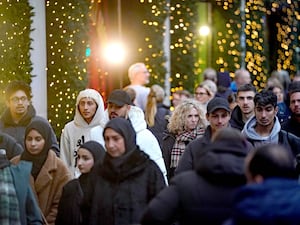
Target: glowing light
{"points": [[204, 30], [114, 52]]}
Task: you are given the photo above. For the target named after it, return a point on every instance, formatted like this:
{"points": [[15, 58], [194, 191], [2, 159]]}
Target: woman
{"points": [[73, 208], [126, 181], [204, 92], [156, 113], [186, 123], [48, 174]]}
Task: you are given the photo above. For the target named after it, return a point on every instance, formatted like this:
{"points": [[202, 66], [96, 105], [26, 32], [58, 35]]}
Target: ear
{"points": [[276, 109], [7, 103], [207, 115], [258, 179]]}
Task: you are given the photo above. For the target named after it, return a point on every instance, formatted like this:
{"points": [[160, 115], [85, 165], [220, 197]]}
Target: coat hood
{"points": [[99, 115], [250, 133]]}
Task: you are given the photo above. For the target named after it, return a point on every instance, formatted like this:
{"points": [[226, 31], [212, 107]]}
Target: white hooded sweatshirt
{"points": [[144, 137], [77, 131]]}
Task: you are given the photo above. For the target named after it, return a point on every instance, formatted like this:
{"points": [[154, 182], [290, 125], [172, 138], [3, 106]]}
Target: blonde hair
{"points": [[178, 118], [155, 96]]}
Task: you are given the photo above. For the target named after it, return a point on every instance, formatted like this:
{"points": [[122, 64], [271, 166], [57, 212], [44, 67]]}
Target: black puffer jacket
{"points": [[120, 197], [204, 196]]}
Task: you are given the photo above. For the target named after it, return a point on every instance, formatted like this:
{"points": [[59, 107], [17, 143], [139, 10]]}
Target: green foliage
{"points": [[15, 64], [67, 39]]}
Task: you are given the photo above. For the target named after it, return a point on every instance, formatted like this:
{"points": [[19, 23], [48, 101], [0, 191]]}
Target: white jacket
{"points": [[77, 132], [144, 137]]}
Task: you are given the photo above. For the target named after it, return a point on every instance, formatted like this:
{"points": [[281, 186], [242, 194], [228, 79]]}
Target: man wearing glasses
{"points": [[19, 112]]}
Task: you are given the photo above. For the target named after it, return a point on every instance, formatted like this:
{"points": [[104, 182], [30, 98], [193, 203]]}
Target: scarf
{"points": [[9, 204], [38, 160], [181, 142]]}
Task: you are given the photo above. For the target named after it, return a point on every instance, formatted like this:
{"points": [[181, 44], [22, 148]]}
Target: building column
{"points": [[38, 56]]}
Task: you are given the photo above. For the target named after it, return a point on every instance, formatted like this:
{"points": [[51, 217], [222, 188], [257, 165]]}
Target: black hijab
{"points": [[44, 128], [125, 129]]}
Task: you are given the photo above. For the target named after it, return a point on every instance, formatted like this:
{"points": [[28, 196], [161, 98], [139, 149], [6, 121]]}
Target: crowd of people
{"points": [[226, 154]]}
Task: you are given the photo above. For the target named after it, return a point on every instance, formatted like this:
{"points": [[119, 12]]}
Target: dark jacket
{"points": [[167, 145], [17, 130], [10, 145], [276, 201], [72, 210], [236, 120], [29, 209], [160, 122], [120, 196], [291, 126], [186, 161], [204, 196]]}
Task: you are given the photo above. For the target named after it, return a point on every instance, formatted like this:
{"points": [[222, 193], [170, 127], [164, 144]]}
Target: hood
{"points": [[99, 116], [251, 134], [8, 121], [274, 200], [223, 161], [137, 118], [236, 119]]}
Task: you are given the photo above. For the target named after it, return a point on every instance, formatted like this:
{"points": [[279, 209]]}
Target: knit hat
{"points": [[95, 148]]}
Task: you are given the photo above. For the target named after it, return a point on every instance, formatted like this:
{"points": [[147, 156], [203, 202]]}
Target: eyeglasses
{"points": [[17, 100], [200, 93]]}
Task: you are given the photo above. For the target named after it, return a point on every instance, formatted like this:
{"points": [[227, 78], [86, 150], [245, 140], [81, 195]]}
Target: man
{"points": [[265, 128], [218, 115], [119, 105], [139, 76], [272, 195], [241, 77], [20, 112], [89, 113], [18, 204], [292, 124], [245, 106], [178, 96]]}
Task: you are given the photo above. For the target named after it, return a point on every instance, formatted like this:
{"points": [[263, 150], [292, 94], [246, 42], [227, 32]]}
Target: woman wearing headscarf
{"points": [[127, 179], [48, 174], [73, 207]]}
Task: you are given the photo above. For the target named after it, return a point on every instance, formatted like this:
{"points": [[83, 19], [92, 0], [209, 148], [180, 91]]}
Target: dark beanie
{"points": [[95, 148]]}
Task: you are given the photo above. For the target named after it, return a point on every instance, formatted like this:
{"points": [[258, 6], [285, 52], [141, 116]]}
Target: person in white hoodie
{"points": [[119, 105], [89, 113]]}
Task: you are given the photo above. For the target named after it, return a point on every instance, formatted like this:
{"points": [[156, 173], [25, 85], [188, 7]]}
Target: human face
{"points": [[85, 160], [192, 120], [202, 95], [176, 99], [114, 143], [117, 111], [218, 119], [265, 115], [278, 92], [87, 108], [143, 75], [295, 103], [245, 100], [244, 78], [34, 142], [18, 103]]}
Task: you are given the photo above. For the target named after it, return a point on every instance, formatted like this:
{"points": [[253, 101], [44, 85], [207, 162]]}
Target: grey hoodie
{"points": [[255, 138]]}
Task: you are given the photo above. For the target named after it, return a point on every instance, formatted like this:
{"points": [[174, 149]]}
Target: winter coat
{"points": [[77, 132], [160, 122], [17, 130], [275, 201], [49, 184], [10, 145], [120, 197], [291, 126], [277, 136], [204, 195], [144, 137], [236, 120], [29, 209]]}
